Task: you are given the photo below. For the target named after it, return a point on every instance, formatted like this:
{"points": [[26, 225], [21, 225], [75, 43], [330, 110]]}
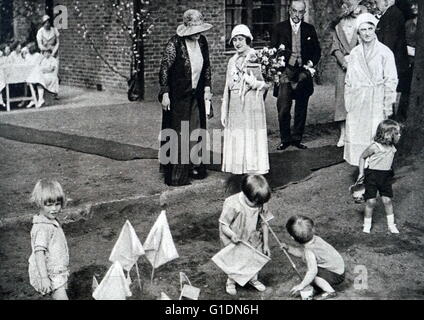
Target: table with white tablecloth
{"points": [[13, 74]]}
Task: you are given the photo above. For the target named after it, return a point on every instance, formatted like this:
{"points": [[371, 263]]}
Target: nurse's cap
{"points": [[366, 18]]}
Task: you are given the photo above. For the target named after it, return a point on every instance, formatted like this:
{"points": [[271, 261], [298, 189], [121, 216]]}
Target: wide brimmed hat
{"points": [[241, 29], [193, 23], [348, 6], [44, 19], [366, 18]]}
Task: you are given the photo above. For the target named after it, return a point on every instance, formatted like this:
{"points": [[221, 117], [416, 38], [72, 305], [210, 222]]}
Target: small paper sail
{"points": [[159, 246], [241, 262], [190, 292], [164, 296], [128, 247], [94, 284], [184, 280], [114, 285]]}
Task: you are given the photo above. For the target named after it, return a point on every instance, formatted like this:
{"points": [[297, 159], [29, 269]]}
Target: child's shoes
{"points": [[326, 295], [258, 285], [366, 229], [230, 287], [393, 229]]}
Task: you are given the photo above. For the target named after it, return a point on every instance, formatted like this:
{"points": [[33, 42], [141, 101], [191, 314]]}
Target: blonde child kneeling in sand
{"points": [[325, 265], [48, 263], [240, 221], [378, 175]]}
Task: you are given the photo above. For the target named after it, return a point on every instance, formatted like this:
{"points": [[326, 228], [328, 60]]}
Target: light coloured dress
{"points": [[49, 80], [47, 235], [370, 89], [345, 39], [245, 135], [3, 61], [243, 220]]}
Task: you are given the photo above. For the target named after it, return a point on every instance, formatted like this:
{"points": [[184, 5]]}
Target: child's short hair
{"points": [[386, 131], [47, 191], [32, 48], [14, 45], [256, 189], [301, 228]]}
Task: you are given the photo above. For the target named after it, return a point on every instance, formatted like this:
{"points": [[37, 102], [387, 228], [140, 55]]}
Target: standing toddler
{"points": [[48, 263]]}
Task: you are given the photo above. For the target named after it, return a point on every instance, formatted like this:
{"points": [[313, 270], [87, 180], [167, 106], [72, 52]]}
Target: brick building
{"points": [[83, 64]]}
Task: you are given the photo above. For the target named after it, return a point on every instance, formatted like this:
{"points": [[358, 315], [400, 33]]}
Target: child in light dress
{"points": [[241, 220], [45, 77], [378, 175], [325, 265], [48, 263]]}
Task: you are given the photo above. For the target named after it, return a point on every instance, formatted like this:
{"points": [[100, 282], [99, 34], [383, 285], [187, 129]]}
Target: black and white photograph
{"points": [[222, 150]]}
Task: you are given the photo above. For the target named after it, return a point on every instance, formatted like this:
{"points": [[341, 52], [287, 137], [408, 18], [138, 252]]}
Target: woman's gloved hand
{"points": [[166, 103]]}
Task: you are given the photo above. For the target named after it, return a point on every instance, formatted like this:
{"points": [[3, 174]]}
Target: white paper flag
{"points": [[159, 246], [114, 285], [128, 247]]}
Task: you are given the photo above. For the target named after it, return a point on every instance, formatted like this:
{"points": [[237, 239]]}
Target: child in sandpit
{"points": [[378, 175], [240, 221], [325, 265], [48, 263]]}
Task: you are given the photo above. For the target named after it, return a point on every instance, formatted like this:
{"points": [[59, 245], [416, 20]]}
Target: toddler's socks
{"points": [[391, 224], [367, 225]]}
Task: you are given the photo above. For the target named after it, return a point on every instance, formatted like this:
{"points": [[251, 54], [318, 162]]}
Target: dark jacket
{"points": [[309, 43], [391, 32], [175, 78]]}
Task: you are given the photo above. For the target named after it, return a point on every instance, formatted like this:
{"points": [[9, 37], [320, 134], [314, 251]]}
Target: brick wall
{"points": [[80, 64]]}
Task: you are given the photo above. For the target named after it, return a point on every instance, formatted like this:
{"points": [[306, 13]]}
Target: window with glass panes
{"points": [[259, 16]]}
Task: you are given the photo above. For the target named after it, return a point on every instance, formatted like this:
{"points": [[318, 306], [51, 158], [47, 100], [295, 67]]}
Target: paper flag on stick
{"points": [[127, 248], [94, 284], [184, 280], [190, 292], [240, 261], [159, 246], [114, 285], [164, 296]]}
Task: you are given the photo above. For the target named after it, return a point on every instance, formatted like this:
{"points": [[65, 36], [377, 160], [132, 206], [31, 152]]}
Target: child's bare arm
{"points": [[40, 260], [297, 252], [265, 232], [229, 233], [366, 154], [310, 275]]}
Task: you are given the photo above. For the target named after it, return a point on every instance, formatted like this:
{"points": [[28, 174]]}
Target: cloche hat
{"points": [[241, 29], [193, 23], [44, 19]]}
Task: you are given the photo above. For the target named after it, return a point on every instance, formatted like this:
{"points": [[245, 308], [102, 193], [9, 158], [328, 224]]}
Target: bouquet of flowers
{"points": [[272, 62]]}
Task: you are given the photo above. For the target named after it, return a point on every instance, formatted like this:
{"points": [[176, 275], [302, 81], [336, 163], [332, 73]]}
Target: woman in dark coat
{"points": [[185, 81]]}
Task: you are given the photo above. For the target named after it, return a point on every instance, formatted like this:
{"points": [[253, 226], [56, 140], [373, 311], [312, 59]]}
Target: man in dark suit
{"points": [[302, 46], [391, 32]]}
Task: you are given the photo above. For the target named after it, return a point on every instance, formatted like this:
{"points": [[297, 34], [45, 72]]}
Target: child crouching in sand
{"points": [[48, 263], [325, 265], [240, 221]]}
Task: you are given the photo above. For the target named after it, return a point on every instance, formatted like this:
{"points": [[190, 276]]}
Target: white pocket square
{"points": [[309, 38]]}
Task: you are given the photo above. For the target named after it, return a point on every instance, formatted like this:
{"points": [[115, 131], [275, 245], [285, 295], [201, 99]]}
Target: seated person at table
{"points": [[44, 77], [32, 57], [15, 56]]}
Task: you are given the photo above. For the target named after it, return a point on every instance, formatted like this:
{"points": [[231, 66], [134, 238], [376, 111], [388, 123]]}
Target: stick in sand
{"points": [[280, 244], [138, 277], [154, 262]]}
